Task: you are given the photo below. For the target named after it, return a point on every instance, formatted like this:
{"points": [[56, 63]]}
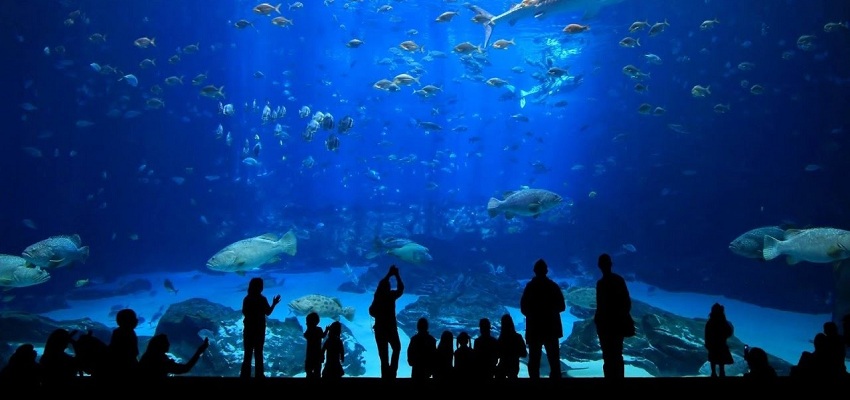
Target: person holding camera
{"points": [[386, 325]]}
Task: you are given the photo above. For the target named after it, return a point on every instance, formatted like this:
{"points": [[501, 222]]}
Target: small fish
{"points": [[81, 283], [169, 286], [130, 79]]}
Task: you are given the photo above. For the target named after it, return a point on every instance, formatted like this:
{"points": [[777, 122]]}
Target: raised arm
{"points": [[275, 301], [178, 369]]}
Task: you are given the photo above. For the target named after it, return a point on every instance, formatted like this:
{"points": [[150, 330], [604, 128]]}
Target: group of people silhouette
{"points": [[487, 356]]}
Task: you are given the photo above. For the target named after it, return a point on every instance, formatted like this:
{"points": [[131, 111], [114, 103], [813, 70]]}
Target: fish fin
{"points": [[240, 263], [493, 207], [84, 254], [835, 251], [534, 207], [835, 266], [509, 215], [289, 242], [5, 281], [770, 250], [240, 273], [348, 313], [76, 239], [791, 260], [337, 301], [55, 264], [269, 236], [274, 260], [792, 232]]}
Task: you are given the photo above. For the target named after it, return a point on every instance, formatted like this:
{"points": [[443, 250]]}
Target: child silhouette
{"points": [[314, 336]]}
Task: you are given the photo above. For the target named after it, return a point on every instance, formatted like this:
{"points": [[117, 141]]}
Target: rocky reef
{"points": [[666, 344], [188, 322]]}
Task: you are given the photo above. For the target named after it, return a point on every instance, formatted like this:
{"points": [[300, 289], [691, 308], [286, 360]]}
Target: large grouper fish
{"points": [[252, 253], [526, 202]]}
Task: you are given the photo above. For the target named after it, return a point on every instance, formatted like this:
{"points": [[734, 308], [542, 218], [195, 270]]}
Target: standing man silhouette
{"points": [[542, 304], [386, 325], [612, 318]]}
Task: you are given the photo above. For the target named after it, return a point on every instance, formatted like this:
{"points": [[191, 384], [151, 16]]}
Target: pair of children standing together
{"points": [[255, 309]]}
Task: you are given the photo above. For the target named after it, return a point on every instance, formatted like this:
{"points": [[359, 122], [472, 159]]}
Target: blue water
{"points": [[627, 178]]}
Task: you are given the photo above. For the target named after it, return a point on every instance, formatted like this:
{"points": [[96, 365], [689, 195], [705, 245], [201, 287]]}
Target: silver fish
{"points": [[57, 251], [751, 243], [526, 202], [252, 253], [16, 272], [817, 245]]}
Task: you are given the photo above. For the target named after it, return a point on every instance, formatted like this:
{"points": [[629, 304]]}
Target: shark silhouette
{"points": [[538, 9]]}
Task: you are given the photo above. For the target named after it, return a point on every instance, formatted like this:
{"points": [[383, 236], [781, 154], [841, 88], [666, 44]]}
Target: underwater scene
{"points": [[157, 155]]}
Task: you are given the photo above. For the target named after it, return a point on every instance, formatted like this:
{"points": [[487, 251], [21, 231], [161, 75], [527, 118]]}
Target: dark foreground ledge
{"points": [[657, 387]]}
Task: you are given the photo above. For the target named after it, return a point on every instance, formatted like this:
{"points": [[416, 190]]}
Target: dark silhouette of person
{"points": [[542, 303], [57, 366], [444, 356], [386, 325], [717, 330], [511, 348], [464, 358], [334, 352], [612, 318], [314, 356], [22, 370], [92, 357], [422, 351], [123, 347], [255, 309], [757, 363], [835, 344], [156, 364], [486, 349], [818, 363]]}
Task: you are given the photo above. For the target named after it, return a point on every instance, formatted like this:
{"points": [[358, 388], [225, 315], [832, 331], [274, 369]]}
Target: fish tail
{"points": [[289, 242], [771, 248], [493, 207], [84, 254], [348, 313], [278, 7], [488, 26]]}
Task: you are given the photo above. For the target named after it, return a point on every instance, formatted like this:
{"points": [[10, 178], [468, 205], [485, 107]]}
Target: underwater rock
{"points": [[458, 303], [188, 322], [666, 344], [19, 327]]}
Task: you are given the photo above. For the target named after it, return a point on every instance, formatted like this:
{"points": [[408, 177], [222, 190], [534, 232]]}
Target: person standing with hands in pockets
{"points": [[255, 308], [386, 325]]}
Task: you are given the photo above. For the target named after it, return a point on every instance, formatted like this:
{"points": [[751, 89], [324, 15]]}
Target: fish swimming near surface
{"points": [[56, 251], [525, 202], [816, 245], [325, 306], [16, 272], [412, 252], [537, 9], [252, 253], [751, 243]]}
